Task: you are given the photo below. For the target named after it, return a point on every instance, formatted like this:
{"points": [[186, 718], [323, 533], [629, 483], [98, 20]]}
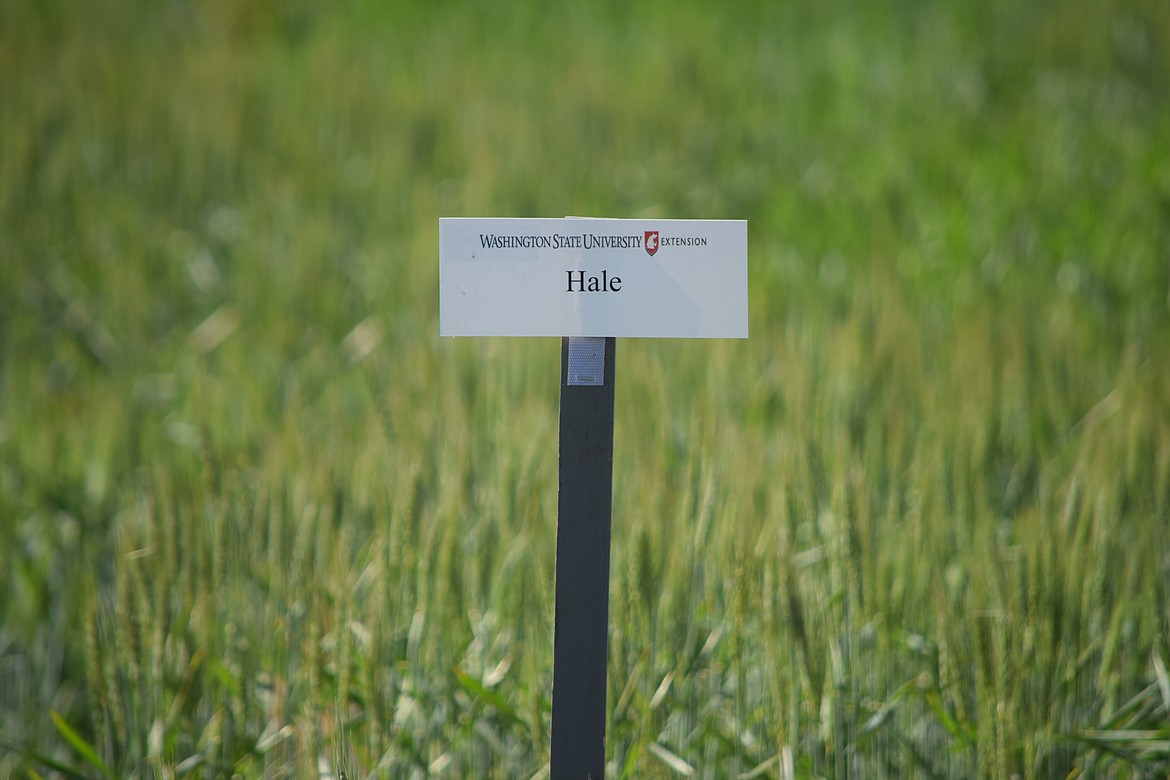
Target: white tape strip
{"points": [[586, 361]]}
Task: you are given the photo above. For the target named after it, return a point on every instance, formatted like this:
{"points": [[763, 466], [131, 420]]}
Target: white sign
{"points": [[593, 277]]}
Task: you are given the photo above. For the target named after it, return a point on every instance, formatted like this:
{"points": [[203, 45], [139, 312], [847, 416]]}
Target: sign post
{"points": [[589, 281], [581, 633]]}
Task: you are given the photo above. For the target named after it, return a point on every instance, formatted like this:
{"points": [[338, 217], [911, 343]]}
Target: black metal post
{"points": [[584, 505]]}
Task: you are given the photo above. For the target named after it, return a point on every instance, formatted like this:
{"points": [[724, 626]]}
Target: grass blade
{"points": [[1163, 679], [671, 760], [83, 748], [480, 692], [44, 760]]}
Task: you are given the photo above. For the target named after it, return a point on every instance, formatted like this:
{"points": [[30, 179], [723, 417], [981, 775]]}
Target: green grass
{"points": [[257, 518]]}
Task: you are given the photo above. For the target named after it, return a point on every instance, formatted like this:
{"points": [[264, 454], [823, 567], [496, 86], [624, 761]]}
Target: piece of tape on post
{"points": [[586, 361]]}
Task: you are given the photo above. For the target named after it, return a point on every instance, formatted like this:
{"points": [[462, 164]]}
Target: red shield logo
{"points": [[651, 242]]}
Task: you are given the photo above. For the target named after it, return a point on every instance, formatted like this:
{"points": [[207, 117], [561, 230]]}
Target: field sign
{"points": [[589, 281], [593, 277]]}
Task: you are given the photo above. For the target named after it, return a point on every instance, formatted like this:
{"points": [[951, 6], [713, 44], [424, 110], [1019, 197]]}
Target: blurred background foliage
{"points": [[258, 518]]}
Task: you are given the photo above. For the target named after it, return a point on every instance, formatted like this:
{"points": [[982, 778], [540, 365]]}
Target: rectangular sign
{"points": [[655, 278]]}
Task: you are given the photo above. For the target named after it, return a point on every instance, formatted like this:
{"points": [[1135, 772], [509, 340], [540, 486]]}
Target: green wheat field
{"points": [[257, 519]]}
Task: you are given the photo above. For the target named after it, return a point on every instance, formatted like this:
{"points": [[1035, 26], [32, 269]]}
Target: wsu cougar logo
{"points": [[651, 242]]}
